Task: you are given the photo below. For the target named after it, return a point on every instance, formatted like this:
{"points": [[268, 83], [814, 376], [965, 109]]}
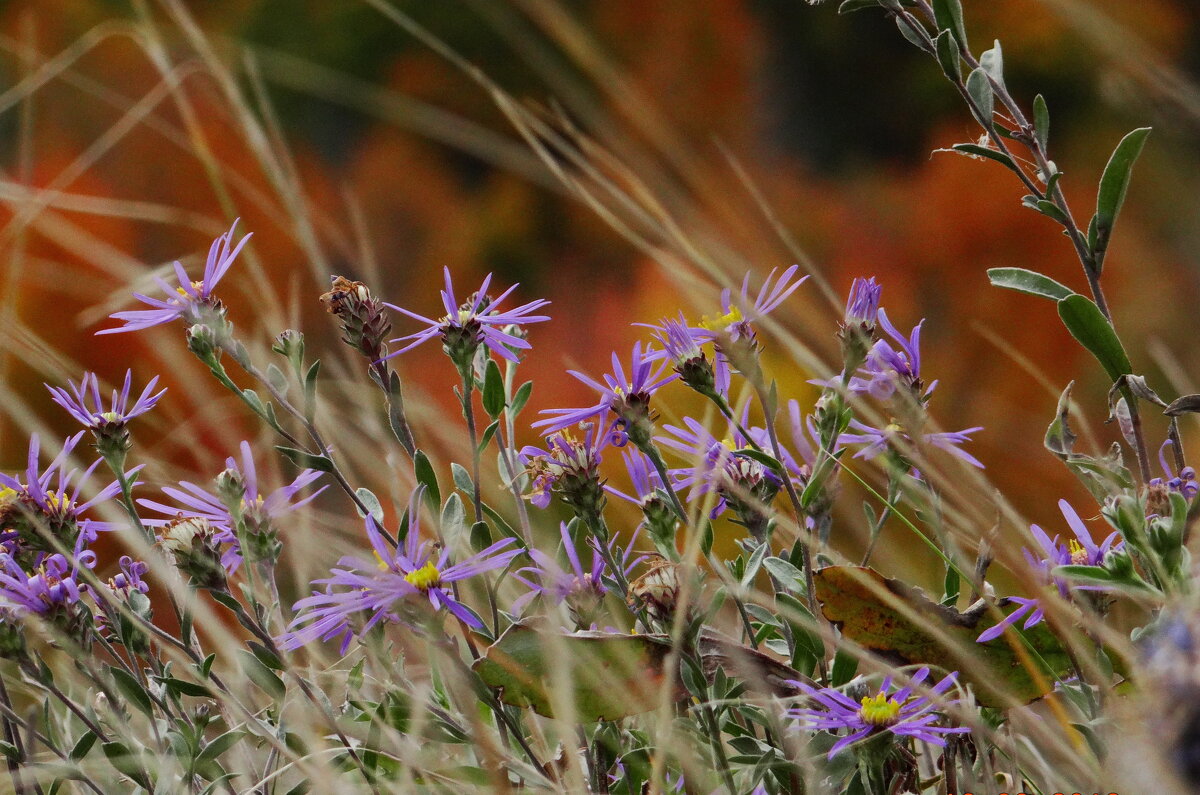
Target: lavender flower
{"points": [[48, 501], [392, 588], [878, 440], [583, 591], [130, 576], [1183, 482], [736, 318], [862, 307], [85, 404], [892, 710], [626, 399], [1078, 551], [568, 467], [892, 365], [741, 483], [191, 301], [249, 506], [478, 321], [681, 345], [49, 589]]}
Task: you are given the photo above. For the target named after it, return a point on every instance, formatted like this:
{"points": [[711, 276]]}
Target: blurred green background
{"points": [[121, 150]]}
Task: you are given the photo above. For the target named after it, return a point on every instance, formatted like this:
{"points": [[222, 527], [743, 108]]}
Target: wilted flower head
{"points": [[50, 500], [195, 544], [890, 709], [477, 322], [191, 301], [364, 323], [624, 403], [393, 589], [1051, 553]]}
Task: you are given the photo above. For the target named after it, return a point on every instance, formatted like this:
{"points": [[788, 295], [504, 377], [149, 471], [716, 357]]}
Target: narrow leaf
{"points": [[1114, 184], [1087, 324], [1027, 281], [949, 16], [493, 390], [1041, 121], [980, 90], [427, 478], [306, 460]]}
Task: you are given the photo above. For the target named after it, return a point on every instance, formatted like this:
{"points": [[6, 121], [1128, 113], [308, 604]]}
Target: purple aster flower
{"points": [[740, 482], [891, 709], [890, 365], [130, 576], [642, 475], [191, 301], [862, 307], [736, 318], [255, 509], [478, 321], [682, 346], [1078, 551], [84, 402], [569, 467], [50, 587], [392, 587], [624, 401], [51, 499], [583, 591], [877, 440]]}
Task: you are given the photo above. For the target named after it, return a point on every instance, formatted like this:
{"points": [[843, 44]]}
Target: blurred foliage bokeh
{"points": [[120, 151]]}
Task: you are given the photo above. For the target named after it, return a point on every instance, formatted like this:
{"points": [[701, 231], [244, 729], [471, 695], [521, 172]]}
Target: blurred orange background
{"points": [[402, 165]]}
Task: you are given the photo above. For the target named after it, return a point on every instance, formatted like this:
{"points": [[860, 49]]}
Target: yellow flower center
{"points": [[1079, 555], [734, 315], [425, 577], [879, 710], [6, 494], [197, 286], [894, 427], [379, 561]]}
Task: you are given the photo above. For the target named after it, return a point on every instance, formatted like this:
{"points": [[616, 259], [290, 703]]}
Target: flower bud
{"points": [[193, 546], [365, 323]]}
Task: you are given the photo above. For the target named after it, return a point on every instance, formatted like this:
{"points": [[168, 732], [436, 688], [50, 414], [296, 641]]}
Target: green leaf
{"points": [[183, 687], [1046, 208], [947, 55], [1041, 121], [786, 574], [368, 498], [423, 470], [913, 36], [82, 746], [1087, 324], [975, 150], [462, 478], [521, 398], [845, 665], [488, 433], [493, 390], [897, 621], [306, 460], [1098, 575], [261, 675], [219, 745], [1114, 184], [980, 90], [949, 16], [1026, 281], [126, 763], [595, 675], [310, 388], [992, 62], [454, 517], [481, 536], [1060, 439], [132, 689], [277, 379]]}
